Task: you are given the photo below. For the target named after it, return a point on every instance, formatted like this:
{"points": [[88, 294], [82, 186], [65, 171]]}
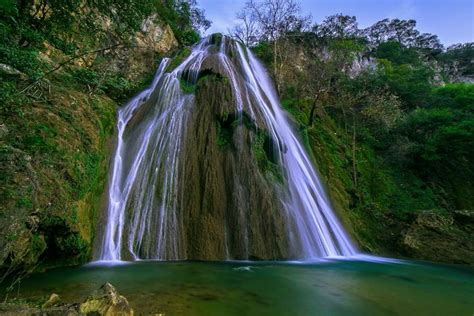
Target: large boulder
{"points": [[106, 301], [441, 237]]}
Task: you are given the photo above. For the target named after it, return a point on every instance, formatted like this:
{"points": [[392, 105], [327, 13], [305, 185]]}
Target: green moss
{"points": [[216, 39], [186, 86], [226, 123], [25, 202], [263, 153], [178, 59], [224, 136]]}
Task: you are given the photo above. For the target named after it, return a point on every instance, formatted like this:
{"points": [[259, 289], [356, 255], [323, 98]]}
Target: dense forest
{"points": [[386, 112]]}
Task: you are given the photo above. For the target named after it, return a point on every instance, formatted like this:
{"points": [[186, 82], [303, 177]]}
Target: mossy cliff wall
{"points": [[54, 169], [229, 199], [56, 140]]}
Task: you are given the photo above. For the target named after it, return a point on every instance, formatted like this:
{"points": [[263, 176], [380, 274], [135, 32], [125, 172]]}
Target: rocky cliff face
{"points": [[230, 199], [441, 237], [140, 58]]}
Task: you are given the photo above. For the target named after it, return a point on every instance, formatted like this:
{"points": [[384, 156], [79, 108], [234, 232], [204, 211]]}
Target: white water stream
{"points": [[146, 164]]}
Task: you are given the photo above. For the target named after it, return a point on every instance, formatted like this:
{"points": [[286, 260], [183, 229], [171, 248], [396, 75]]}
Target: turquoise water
{"points": [[249, 288]]}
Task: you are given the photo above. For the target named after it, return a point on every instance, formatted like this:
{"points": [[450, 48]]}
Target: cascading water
{"points": [[182, 185]]}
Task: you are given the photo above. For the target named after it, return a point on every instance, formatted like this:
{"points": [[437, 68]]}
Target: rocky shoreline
{"points": [[104, 301]]}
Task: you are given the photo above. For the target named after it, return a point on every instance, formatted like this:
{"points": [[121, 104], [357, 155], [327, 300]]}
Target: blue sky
{"points": [[451, 20]]}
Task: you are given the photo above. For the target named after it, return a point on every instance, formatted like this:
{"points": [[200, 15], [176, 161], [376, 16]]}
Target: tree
{"points": [[377, 33], [458, 58], [428, 41], [192, 15], [403, 31], [337, 26], [272, 20], [247, 31]]}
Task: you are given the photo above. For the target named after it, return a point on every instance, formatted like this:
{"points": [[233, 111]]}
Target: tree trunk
{"points": [[354, 162], [277, 84], [345, 119], [311, 113]]}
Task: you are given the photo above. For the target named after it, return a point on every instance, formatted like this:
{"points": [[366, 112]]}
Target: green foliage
{"points": [[460, 56], [397, 53], [444, 131], [184, 18], [264, 51], [8, 7], [19, 45], [25, 202], [86, 76], [411, 83], [118, 87], [345, 46], [186, 86], [264, 155], [387, 140], [454, 95]]}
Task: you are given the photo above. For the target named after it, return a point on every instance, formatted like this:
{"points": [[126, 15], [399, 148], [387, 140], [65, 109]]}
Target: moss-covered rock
{"points": [[61, 156], [178, 59], [231, 208], [55, 135], [442, 237], [106, 301]]}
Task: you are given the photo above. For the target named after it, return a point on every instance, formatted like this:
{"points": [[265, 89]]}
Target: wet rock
{"points": [[10, 71], [441, 237], [106, 301], [153, 39], [53, 300]]}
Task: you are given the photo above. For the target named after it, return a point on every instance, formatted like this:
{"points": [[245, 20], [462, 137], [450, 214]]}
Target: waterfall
{"points": [[151, 199]]}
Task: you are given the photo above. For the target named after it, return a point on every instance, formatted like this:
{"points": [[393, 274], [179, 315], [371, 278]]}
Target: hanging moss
{"points": [[186, 86], [264, 154], [224, 135]]}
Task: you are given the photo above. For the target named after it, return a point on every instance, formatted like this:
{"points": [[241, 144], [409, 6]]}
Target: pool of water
{"points": [[269, 288]]}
